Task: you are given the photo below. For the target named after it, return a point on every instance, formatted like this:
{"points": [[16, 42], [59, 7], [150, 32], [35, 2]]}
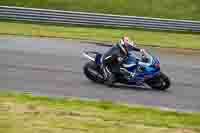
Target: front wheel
{"points": [[159, 82], [92, 72]]}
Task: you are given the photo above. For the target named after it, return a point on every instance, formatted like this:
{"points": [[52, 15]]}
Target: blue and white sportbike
{"points": [[141, 71]]}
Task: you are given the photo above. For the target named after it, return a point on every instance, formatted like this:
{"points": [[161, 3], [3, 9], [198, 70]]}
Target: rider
{"points": [[115, 57]]}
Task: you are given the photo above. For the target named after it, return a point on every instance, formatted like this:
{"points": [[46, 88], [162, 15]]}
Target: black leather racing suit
{"points": [[113, 59]]}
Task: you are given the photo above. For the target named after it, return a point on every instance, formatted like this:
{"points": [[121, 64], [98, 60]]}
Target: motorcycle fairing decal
{"points": [[129, 65]]}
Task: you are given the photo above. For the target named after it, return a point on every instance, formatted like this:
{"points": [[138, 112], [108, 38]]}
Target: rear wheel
{"points": [[160, 82], [92, 72]]}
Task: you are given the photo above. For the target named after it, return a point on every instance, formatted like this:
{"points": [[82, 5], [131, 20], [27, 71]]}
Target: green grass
{"points": [[25, 113], [178, 9], [103, 34]]}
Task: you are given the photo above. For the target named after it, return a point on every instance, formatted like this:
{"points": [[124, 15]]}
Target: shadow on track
{"points": [[138, 88], [118, 86]]}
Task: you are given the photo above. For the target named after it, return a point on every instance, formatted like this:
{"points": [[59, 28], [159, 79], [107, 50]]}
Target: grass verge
{"points": [[25, 113], [103, 34], [178, 9]]}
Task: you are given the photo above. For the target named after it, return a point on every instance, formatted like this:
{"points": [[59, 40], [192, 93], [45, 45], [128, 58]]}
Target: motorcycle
{"points": [[147, 70]]}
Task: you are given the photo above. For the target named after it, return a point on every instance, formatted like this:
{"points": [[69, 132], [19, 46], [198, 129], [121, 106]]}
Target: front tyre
{"points": [[159, 82], [92, 72]]}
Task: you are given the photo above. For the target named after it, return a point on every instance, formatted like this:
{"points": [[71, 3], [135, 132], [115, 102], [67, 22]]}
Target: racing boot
{"points": [[105, 72], [110, 80], [127, 75]]}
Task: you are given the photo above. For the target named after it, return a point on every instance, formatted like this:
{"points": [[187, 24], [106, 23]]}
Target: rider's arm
{"points": [[135, 49]]}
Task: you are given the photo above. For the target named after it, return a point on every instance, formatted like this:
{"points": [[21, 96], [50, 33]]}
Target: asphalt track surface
{"points": [[53, 67]]}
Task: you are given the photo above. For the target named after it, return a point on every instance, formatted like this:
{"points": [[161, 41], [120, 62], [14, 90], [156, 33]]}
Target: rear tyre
{"points": [[160, 82], [92, 72]]}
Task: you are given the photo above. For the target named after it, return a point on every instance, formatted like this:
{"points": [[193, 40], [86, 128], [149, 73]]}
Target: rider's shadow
{"points": [[137, 88]]}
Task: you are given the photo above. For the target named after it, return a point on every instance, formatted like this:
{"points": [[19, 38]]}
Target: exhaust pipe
{"points": [[89, 57]]}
